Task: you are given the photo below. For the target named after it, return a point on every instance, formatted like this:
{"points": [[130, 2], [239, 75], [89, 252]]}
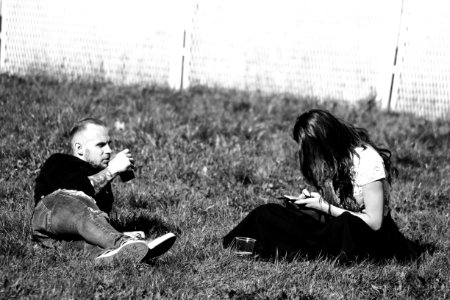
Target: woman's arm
{"points": [[372, 215], [373, 194]]}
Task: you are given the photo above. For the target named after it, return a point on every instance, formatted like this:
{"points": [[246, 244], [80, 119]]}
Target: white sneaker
{"points": [[137, 235], [160, 245], [133, 250]]}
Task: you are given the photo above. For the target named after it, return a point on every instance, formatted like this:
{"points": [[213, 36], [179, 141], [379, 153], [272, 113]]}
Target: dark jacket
{"points": [[64, 171]]}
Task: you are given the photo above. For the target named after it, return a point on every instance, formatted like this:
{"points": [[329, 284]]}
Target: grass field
{"points": [[205, 158]]}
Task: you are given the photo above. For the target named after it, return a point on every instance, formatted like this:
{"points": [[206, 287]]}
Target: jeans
{"points": [[68, 215]]}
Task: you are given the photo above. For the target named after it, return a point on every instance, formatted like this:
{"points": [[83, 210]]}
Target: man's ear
{"points": [[79, 149]]}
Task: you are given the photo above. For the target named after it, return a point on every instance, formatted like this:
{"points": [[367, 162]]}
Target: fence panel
{"points": [[327, 49], [126, 42], [423, 63]]}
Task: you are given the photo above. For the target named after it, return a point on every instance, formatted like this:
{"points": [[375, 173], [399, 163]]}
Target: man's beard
{"points": [[96, 165]]}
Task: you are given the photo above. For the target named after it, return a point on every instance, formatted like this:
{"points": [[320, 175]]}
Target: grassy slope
{"points": [[207, 157]]}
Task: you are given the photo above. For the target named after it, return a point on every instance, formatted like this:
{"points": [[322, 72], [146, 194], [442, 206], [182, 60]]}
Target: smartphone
{"points": [[288, 198]]}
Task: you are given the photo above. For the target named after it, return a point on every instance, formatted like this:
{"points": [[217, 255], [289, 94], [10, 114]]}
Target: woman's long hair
{"points": [[326, 148]]}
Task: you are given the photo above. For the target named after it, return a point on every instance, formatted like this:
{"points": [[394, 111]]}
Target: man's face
{"points": [[96, 146]]}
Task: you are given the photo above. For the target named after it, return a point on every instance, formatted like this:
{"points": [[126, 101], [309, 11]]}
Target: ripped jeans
{"points": [[68, 215]]}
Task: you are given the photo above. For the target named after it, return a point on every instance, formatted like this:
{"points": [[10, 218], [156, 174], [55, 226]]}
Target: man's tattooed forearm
{"points": [[100, 179]]}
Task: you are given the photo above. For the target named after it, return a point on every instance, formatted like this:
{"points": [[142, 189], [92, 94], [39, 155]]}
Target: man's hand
{"points": [[121, 162], [118, 164]]}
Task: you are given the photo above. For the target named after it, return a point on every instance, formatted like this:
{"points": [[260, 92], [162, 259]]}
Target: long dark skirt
{"points": [[289, 233]]}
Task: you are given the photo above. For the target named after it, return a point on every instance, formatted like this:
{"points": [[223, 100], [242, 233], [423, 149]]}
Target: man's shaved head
{"points": [[90, 141], [81, 126]]}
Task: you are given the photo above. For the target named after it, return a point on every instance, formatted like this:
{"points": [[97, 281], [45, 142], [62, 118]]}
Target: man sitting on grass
{"points": [[73, 198]]}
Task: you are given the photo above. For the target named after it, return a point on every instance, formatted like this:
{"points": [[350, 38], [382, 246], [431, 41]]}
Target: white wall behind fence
{"points": [[324, 48]]}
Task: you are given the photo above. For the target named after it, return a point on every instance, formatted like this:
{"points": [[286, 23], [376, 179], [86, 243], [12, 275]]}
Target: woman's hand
{"points": [[373, 195], [312, 200]]}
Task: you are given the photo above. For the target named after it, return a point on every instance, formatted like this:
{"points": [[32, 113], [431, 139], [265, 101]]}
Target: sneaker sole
{"points": [[132, 252], [161, 248]]}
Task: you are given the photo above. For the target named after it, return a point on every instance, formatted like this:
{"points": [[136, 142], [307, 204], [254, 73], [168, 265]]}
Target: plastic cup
{"points": [[243, 245]]}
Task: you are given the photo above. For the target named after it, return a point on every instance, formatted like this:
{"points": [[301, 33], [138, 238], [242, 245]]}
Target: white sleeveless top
{"points": [[368, 166]]}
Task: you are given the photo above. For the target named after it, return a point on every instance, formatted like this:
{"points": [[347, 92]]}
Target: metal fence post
{"points": [[392, 94], [187, 44], [179, 68], [2, 41]]}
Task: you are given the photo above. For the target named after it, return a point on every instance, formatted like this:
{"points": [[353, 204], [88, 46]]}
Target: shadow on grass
{"points": [[142, 220]]}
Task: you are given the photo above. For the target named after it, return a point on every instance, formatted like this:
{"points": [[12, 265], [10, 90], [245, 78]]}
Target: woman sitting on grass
{"points": [[347, 215]]}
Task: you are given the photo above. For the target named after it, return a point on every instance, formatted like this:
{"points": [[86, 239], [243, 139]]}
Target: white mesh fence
{"points": [[127, 42], [421, 84], [325, 49]]}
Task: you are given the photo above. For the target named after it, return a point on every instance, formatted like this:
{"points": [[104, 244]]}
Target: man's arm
{"points": [[101, 179], [120, 163]]}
